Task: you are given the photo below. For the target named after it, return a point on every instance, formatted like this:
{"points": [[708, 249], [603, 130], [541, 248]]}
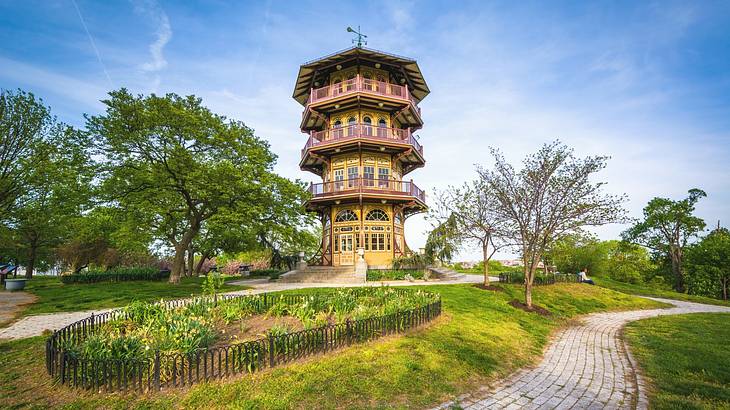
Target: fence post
{"points": [[157, 370], [271, 350], [428, 311], [265, 304], [63, 366], [349, 332]]}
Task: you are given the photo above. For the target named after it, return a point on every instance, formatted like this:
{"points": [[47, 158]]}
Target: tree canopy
{"points": [[667, 228]]}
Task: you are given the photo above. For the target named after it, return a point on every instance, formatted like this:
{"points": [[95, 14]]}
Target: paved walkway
{"points": [[30, 326], [587, 366]]}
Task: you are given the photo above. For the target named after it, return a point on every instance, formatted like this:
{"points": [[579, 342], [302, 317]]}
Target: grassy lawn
{"points": [[479, 338], [54, 296], [686, 358], [645, 290]]}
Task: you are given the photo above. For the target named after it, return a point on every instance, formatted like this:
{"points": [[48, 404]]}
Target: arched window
{"points": [[351, 121], [367, 120], [377, 215], [382, 128], [338, 124], [346, 216]]}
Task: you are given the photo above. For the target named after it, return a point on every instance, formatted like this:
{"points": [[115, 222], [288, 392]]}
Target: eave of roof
{"points": [[417, 84]]}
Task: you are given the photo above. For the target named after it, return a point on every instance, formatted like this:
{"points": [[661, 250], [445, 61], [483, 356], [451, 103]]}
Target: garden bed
{"points": [[377, 275], [151, 346]]}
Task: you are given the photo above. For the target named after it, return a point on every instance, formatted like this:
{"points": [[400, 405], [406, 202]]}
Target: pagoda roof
{"points": [[409, 68]]}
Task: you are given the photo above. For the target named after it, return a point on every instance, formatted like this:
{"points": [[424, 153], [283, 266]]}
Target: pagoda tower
{"points": [[360, 113]]}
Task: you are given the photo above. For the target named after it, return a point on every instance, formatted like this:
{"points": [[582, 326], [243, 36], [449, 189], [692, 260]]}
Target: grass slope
{"points": [[646, 290], [478, 338], [686, 358], [54, 296]]}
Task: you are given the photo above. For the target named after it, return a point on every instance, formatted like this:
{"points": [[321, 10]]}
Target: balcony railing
{"points": [[367, 185], [362, 131], [360, 84]]}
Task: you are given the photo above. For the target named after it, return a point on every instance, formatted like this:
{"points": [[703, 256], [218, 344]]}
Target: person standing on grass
{"points": [[583, 276]]}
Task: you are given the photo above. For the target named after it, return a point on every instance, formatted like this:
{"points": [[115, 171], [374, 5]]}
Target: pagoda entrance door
{"points": [[347, 251]]}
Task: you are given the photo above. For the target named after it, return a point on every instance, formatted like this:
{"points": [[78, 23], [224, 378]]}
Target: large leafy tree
{"points": [[25, 125], [550, 197], [473, 209], [667, 228], [708, 263], [56, 192], [179, 165]]}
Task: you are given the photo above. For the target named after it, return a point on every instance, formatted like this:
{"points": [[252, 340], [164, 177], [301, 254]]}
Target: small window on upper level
{"points": [[377, 215], [337, 124], [382, 122], [346, 216], [351, 121], [367, 120]]}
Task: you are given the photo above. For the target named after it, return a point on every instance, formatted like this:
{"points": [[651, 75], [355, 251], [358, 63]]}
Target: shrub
{"points": [[116, 275], [394, 274]]}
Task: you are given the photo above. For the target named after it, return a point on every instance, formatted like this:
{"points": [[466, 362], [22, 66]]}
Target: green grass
{"points": [[479, 337], [646, 290], [686, 359], [54, 296]]}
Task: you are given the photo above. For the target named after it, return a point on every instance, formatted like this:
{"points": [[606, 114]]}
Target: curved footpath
{"points": [[587, 366], [30, 326]]}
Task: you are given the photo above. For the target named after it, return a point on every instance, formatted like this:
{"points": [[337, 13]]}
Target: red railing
{"points": [[360, 84], [361, 131], [367, 185]]}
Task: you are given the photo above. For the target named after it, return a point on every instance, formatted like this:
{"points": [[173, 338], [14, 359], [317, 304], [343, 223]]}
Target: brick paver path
{"points": [[587, 366], [30, 326]]}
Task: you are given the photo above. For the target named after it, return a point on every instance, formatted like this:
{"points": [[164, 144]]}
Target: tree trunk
{"points": [[675, 257], [201, 262], [485, 258], [178, 263], [31, 261], [724, 288], [191, 261]]}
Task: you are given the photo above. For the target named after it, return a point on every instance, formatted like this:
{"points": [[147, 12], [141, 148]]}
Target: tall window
{"points": [[368, 174], [339, 177], [337, 129], [383, 177], [351, 126], [352, 176], [367, 126], [382, 128]]}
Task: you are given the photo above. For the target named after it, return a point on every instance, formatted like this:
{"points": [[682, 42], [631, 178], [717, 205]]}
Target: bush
{"points": [[116, 275], [393, 274]]}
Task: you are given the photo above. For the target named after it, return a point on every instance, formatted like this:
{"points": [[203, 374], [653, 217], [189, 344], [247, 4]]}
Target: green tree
{"points": [[708, 270], [25, 124], [56, 192], [178, 164], [667, 229], [443, 241], [550, 197], [474, 209]]}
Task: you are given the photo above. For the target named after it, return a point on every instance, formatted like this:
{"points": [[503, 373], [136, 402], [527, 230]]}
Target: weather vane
{"points": [[360, 37]]}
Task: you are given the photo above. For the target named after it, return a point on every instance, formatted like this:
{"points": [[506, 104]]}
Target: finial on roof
{"points": [[359, 37]]}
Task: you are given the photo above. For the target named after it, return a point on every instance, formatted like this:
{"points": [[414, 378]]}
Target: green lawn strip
{"points": [[646, 290], [686, 359], [54, 296], [478, 338]]}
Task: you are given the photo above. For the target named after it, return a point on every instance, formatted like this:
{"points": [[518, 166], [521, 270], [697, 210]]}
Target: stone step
{"points": [[446, 273], [332, 274]]}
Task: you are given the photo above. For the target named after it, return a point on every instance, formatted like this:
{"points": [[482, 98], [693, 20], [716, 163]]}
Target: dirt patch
{"points": [[11, 303], [490, 287], [254, 327], [534, 309]]}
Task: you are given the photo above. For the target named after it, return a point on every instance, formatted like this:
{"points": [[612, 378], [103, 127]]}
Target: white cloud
{"points": [[151, 10]]}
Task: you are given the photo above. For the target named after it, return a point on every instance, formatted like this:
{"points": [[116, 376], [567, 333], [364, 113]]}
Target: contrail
{"points": [[93, 44]]}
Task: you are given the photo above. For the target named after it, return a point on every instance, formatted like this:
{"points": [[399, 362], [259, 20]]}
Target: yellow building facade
{"points": [[360, 113]]}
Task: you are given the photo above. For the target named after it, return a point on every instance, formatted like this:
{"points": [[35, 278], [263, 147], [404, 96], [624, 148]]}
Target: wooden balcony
{"points": [[376, 188], [362, 85], [361, 132]]}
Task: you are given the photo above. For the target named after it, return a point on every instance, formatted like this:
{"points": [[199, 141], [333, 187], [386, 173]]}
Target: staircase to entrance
{"points": [[322, 274]]}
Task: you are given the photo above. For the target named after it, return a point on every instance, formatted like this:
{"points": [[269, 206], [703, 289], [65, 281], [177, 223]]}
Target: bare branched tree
{"points": [[550, 197], [475, 211]]}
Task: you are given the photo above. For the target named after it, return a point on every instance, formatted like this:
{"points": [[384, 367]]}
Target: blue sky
{"points": [[647, 83]]}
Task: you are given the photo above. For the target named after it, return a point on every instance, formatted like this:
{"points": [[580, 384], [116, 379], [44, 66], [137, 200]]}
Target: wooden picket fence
{"points": [[164, 370]]}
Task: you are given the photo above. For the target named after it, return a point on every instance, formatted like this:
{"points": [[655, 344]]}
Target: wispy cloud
{"points": [[93, 44], [152, 10]]}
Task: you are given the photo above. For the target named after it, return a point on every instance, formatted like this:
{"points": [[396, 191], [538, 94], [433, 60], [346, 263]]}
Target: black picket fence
{"points": [[544, 279], [164, 370]]}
